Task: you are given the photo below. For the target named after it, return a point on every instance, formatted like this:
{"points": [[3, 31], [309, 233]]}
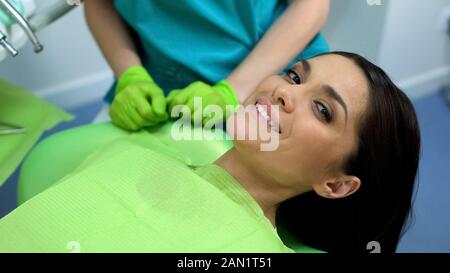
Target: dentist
{"points": [[219, 50]]}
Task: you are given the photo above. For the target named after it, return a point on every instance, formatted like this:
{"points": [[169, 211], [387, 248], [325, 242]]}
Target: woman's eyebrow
{"points": [[331, 92], [306, 67]]}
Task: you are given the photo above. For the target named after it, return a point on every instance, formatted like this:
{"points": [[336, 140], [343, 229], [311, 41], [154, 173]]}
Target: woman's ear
{"points": [[338, 187]]}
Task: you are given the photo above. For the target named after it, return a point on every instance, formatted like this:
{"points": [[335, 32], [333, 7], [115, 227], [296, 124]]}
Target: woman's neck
{"points": [[268, 194]]}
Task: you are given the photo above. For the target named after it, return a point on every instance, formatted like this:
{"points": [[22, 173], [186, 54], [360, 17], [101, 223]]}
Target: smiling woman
{"points": [[342, 176], [344, 172]]}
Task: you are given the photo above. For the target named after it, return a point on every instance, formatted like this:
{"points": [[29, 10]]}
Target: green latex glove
{"points": [[221, 94], [139, 101]]}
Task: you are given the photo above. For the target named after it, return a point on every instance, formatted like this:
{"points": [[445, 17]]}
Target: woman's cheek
{"points": [[309, 138]]}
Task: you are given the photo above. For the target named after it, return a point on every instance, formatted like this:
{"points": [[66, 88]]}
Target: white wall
{"points": [[356, 26], [401, 36], [413, 50], [70, 71]]}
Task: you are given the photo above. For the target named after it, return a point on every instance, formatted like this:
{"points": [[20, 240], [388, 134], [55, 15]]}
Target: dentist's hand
{"points": [[221, 95], [139, 101]]}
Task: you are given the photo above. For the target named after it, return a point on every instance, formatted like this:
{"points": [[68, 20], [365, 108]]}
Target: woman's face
{"points": [[319, 105]]}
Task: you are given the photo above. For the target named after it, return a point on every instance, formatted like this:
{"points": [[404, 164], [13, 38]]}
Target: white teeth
{"points": [[263, 112]]}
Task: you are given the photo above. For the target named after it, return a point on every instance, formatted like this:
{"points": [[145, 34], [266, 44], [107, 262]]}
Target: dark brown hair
{"points": [[386, 162]]}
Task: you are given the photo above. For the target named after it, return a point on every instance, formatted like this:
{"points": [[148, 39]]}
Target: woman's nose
{"points": [[283, 97]]}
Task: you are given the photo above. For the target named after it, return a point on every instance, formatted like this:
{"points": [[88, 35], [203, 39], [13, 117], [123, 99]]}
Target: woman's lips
{"points": [[269, 112]]}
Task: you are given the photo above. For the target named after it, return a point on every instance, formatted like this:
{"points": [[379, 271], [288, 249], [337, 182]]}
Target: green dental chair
{"points": [[62, 153]]}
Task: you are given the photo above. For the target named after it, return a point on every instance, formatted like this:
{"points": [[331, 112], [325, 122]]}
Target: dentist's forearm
{"points": [[112, 35], [282, 43]]}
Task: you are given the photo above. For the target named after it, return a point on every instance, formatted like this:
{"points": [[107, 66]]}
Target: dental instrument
{"points": [[35, 22], [23, 23], [4, 42], [10, 129]]}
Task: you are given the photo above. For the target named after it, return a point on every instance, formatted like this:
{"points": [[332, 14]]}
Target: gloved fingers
{"points": [[152, 123], [159, 106], [196, 109], [212, 116], [142, 113], [136, 118], [125, 109], [216, 100], [140, 121], [180, 99], [120, 120], [129, 124], [213, 107], [129, 114], [197, 117], [190, 103], [146, 111], [155, 96], [172, 95], [170, 105], [208, 121]]}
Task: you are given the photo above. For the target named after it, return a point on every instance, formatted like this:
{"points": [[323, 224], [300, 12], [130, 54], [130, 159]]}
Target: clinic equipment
{"points": [[4, 42], [40, 20], [10, 129], [23, 23]]}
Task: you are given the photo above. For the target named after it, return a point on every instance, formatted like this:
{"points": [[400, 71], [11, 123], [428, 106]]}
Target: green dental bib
{"points": [[134, 195]]}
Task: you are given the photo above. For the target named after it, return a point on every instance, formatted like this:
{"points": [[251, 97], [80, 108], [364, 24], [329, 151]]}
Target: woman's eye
{"points": [[294, 76], [323, 111]]}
